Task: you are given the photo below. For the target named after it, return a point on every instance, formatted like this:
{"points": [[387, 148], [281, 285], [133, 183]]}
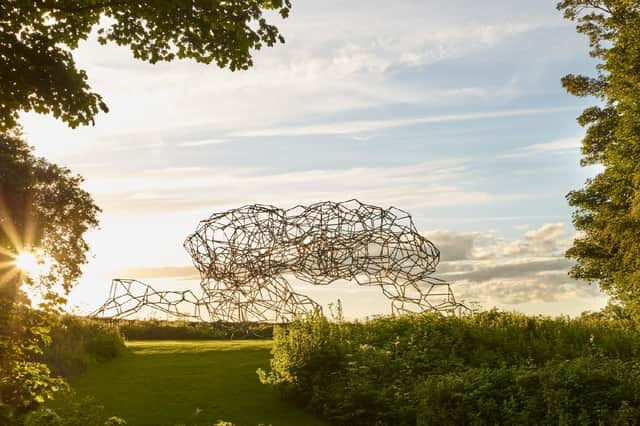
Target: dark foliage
{"points": [[38, 72], [373, 372], [608, 206], [71, 409], [78, 342], [582, 391], [42, 208]]}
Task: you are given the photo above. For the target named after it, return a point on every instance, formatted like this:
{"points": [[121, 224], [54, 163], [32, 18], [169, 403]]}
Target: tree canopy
{"points": [[38, 72], [608, 207], [42, 209]]}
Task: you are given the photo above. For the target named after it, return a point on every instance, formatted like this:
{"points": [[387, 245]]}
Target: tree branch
{"points": [[89, 8]]}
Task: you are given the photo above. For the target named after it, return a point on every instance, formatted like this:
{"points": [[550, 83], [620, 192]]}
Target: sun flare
{"points": [[28, 263]]}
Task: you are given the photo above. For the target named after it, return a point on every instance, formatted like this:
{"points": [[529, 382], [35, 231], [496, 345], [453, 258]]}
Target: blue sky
{"points": [[452, 110]]}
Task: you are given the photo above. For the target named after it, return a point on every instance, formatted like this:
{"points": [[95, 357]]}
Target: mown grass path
{"points": [[190, 383]]}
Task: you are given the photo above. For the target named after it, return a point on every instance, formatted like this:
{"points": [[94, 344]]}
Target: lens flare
{"points": [[28, 263]]}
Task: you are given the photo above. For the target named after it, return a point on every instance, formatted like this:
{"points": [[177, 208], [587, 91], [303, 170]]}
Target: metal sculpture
{"points": [[243, 256], [128, 297]]}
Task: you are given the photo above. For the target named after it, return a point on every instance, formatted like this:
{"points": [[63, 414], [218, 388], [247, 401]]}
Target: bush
{"points": [[25, 383], [71, 410], [36, 347], [79, 342], [365, 373], [583, 391]]}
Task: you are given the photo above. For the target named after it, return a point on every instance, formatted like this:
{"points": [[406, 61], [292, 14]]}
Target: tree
{"points": [[607, 212], [37, 70], [43, 209], [44, 213]]}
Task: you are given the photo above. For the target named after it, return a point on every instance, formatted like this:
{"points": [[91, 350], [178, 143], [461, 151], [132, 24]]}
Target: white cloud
{"points": [[552, 147], [566, 144], [338, 58], [172, 272], [495, 271], [433, 184], [204, 142], [339, 128], [348, 68], [453, 246]]}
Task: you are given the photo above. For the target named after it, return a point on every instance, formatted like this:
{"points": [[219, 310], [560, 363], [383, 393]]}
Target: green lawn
{"points": [[169, 382]]}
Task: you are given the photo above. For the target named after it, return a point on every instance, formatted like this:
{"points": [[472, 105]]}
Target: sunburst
{"points": [[28, 263], [18, 256]]}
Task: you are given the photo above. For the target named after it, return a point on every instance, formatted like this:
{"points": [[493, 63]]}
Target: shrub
{"points": [[79, 342], [583, 391], [39, 347], [70, 409], [365, 373], [25, 383]]}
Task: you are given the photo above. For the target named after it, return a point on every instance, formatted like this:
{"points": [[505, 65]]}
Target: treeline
{"points": [[189, 330], [489, 368]]}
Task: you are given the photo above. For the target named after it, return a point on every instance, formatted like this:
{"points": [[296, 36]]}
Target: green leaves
{"points": [[24, 383], [44, 207], [37, 70], [487, 368], [41, 206], [579, 85], [607, 213], [587, 390], [36, 75]]}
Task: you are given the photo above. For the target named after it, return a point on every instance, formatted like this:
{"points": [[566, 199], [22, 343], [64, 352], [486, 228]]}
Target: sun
{"points": [[28, 263]]}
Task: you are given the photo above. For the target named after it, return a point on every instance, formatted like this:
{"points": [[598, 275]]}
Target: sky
{"points": [[452, 110]]}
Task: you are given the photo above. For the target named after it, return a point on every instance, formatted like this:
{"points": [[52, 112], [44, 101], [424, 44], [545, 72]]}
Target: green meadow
{"points": [[190, 383]]}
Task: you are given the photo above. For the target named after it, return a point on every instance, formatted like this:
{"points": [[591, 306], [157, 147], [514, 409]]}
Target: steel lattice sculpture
{"points": [[128, 297], [243, 256]]}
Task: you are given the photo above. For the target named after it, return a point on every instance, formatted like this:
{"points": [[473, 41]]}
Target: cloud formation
{"points": [[341, 128], [408, 106], [174, 272], [555, 146], [496, 271], [429, 184]]}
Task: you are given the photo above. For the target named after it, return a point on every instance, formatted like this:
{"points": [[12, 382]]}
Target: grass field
{"points": [[190, 383]]}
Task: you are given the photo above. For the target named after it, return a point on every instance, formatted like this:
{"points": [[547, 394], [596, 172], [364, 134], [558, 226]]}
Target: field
{"points": [[483, 369], [190, 383]]}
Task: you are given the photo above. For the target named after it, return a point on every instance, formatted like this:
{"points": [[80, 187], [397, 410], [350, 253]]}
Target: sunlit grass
{"points": [[190, 383], [149, 347]]}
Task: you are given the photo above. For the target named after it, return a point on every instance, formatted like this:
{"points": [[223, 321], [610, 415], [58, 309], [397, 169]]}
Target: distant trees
{"points": [[38, 72], [608, 207]]}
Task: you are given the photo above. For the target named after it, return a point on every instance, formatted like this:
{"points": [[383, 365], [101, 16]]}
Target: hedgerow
{"points": [[374, 372], [581, 391], [189, 330], [79, 342]]}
